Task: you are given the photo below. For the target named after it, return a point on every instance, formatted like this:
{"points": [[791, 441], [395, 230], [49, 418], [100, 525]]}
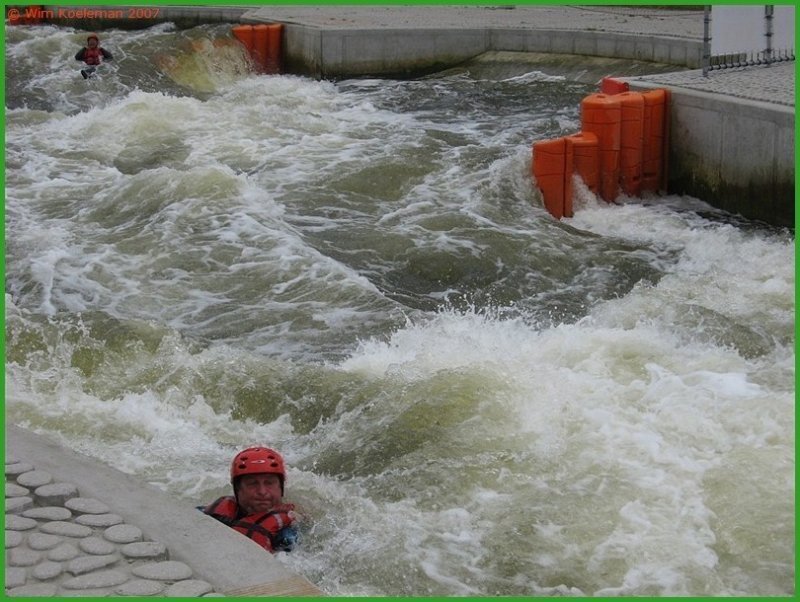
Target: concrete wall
{"points": [[377, 52], [391, 52], [302, 50], [674, 51], [735, 154]]}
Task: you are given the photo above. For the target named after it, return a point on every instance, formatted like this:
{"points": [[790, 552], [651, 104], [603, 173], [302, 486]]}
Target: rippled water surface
{"points": [[473, 398]]}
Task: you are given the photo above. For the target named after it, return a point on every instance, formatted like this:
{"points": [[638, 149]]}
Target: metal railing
{"points": [[753, 58]]}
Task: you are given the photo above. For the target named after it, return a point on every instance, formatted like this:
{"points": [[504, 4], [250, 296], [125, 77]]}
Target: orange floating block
{"points": [[273, 56], [582, 158], [631, 139], [263, 43], [548, 169], [244, 33], [601, 115], [260, 43], [610, 85]]}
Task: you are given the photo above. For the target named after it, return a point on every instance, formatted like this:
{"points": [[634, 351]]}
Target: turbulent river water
{"points": [[473, 398]]}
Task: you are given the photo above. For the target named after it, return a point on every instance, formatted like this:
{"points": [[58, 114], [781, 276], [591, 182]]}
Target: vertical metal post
{"points": [[769, 11], [706, 39]]}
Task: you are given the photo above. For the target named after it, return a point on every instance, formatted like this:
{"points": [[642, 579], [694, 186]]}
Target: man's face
{"points": [[259, 492], [92, 42]]}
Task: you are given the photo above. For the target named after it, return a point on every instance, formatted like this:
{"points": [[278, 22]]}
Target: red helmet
{"points": [[258, 460], [93, 35]]}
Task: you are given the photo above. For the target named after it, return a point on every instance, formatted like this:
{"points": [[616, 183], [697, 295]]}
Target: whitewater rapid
{"points": [[472, 398]]}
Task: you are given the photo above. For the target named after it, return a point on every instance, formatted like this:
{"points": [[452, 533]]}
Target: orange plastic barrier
{"points": [[548, 169], [263, 43], [623, 145], [244, 33], [581, 159], [610, 85], [601, 115], [631, 137], [274, 55], [259, 50], [654, 152], [585, 158]]}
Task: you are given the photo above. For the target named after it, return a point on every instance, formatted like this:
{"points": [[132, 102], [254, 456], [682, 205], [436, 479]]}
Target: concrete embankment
{"points": [[76, 527], [334, 52], [732, 138]]}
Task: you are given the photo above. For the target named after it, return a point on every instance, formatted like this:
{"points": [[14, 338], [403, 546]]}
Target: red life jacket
{"points": [[261, 527], [92, 56]]}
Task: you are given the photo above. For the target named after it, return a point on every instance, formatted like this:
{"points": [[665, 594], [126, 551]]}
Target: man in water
{"points": [[256, 509], [92, 54]]}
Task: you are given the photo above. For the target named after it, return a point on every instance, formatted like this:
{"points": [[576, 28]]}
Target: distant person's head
{"points": [[92, 41], [258, 475]]}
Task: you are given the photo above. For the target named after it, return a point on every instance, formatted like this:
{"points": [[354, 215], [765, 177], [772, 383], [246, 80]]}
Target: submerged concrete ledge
{"points": [[186, 550]]}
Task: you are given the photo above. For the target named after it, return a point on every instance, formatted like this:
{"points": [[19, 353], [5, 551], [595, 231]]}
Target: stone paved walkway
{"points": [[773, 84], [617, 19], [61, 544]]}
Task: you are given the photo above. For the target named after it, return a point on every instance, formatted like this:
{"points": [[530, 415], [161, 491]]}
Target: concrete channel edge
{"points": [[231, 563]]}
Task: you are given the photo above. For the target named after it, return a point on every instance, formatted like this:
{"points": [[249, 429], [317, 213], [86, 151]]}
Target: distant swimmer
{"points": [[92, 54], [256, 508]]}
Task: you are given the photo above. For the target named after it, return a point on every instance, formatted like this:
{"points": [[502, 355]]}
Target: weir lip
{"points": [[496, 64]]}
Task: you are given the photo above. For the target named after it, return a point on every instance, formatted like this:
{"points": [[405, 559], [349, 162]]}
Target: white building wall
{"points": [[737, 29]]}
